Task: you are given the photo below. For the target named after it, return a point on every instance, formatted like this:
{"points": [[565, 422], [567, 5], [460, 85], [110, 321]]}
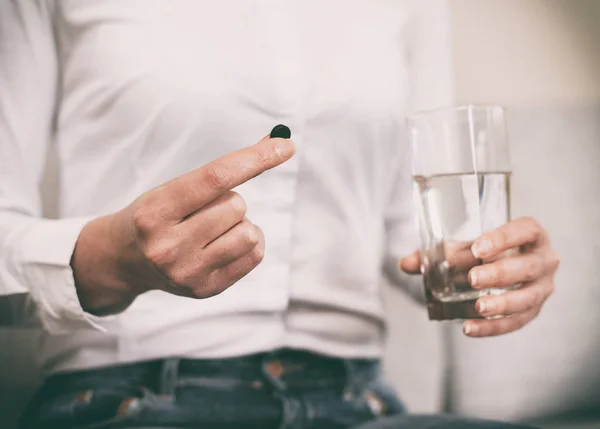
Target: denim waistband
{"points": [[283, 368], [283, 388]]}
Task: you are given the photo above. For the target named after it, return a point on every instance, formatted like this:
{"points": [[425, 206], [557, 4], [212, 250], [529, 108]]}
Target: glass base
{"points": [[452, 310]]}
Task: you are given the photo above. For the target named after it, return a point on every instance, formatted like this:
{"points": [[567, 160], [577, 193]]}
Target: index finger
{"points": [[517, 233], [192, 191]]}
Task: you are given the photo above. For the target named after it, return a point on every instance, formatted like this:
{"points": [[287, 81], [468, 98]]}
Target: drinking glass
{"points": [[461, 181]]}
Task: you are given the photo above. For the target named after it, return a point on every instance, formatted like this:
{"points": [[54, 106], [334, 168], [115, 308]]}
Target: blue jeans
{"points": [[279, 390]]}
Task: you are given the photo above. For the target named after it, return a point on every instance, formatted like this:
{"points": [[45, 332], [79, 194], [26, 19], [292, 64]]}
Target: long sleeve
{"points": [[431, 80], [34, 252]]}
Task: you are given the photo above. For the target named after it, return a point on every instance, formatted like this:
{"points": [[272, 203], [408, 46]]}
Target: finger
{"points": [[190, 192], [195, 277], [411, 264], [232, 245], [506, 272], [213, 220], [460, 257], [228, 275], [504, 325], [520, 300], [519, 232]]}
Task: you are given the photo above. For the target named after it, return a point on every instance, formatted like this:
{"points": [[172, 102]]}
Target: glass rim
{"points": [[457, 108]]}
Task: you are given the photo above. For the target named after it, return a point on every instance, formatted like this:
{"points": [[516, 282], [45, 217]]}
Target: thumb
{"points": [[411, 264]]}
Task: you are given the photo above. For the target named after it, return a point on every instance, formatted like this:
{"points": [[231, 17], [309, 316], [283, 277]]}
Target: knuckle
{"points": [[144, 220], [504, 326], [215, 283], [502, 305], [487, 329], [204, 289], [257, 255], [497, 273], [530, 272], [207, 293], [248, 233], [217, 176], [202, 285], [179, 277], [238, 204], [534, 228], [265, 157], [532, 268], [160, 253], [501, 238], [553, 260]]}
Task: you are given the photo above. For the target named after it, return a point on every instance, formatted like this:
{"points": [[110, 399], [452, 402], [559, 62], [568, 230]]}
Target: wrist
{"points": [[101, 287]]}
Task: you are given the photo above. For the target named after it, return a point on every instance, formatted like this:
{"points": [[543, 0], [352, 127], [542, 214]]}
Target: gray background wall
{"points": [[527, 52]]}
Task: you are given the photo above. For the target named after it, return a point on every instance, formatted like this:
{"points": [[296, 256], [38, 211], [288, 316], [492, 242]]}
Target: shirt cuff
{"points": [[44, 261]]}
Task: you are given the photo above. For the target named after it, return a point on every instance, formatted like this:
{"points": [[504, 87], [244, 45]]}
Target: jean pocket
{"points": [[95, 408], [331, 409]]}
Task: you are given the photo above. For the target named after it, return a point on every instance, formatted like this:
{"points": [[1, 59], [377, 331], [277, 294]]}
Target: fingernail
{"points": [[490, 306], [473, 278], [470, 328], [285, 148], [280, 132], [480, 248], [478, 276]]}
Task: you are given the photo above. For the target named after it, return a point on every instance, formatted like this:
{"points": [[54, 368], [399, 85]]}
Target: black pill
{"points": [[280, 132]]}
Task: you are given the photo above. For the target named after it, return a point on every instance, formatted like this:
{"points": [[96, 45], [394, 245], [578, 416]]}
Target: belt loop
{"points": [[272, 378], [352, 387], [169, 374]]}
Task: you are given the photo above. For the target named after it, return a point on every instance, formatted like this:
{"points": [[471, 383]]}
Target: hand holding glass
{"points": [[461, 179]]}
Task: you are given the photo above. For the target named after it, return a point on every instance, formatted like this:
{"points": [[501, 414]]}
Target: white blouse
{"points": [[135, 92]]}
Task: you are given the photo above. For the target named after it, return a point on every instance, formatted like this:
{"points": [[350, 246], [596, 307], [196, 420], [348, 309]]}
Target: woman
{"points": [[162, 304]]}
